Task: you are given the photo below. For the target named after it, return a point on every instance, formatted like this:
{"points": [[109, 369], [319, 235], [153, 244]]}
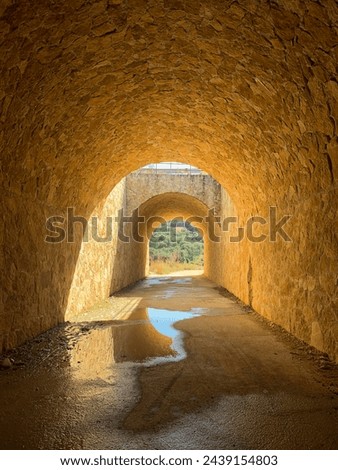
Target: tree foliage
{"points": [[177, 241]]}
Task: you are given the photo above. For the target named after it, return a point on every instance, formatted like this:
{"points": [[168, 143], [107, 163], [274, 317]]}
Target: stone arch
{"points": [[168, 206], [144, 184]]}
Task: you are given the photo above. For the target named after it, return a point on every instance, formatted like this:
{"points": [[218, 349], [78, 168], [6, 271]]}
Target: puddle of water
{"points": [[163, 320], [184, 280], [153, 281], [148, 337], [156, 281]]}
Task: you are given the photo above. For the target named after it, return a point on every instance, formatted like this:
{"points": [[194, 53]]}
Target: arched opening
{"points": [[167, 207]]}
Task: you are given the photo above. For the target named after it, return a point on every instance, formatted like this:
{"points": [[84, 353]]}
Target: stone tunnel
{"points": [[94, 90]]}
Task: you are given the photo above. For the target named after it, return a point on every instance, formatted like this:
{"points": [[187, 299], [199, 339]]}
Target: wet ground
{"points": [[172, 363]]}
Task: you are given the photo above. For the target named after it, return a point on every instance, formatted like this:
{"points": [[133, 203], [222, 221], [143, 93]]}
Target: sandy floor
{"points": [[223, 378]]}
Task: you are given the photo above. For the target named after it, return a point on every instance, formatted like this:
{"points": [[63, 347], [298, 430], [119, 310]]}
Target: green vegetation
{"points": [[177, 242]]}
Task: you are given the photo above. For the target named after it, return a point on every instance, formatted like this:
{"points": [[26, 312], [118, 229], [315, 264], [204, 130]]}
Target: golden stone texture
{"points": [[246, 90]]}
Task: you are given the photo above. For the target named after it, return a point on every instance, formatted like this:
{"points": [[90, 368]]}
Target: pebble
{"points": [[6, 363]]}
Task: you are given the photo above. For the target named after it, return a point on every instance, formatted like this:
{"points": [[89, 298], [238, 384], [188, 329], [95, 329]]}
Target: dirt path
{"points": [[123, 376]]}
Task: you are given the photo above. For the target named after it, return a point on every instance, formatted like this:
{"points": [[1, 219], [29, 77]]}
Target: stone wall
{"points": [[141, 186], [283, 280]]}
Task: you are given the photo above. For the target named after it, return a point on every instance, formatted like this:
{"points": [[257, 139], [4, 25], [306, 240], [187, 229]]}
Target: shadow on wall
{"points": [[130, 257], [107, 262]]}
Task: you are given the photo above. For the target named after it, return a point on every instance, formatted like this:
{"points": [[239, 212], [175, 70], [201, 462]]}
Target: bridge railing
{"points": [[170, 168]]}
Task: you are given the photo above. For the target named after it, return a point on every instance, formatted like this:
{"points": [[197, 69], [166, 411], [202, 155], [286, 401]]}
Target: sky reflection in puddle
{"points": [[147, 337], [163, 320]]}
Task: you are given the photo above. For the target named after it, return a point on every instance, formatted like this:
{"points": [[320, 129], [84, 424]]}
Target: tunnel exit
{"points": [[175, 246]]}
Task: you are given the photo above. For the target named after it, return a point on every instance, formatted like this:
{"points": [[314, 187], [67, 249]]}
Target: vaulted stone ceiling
{"points": [[245, 90]]}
